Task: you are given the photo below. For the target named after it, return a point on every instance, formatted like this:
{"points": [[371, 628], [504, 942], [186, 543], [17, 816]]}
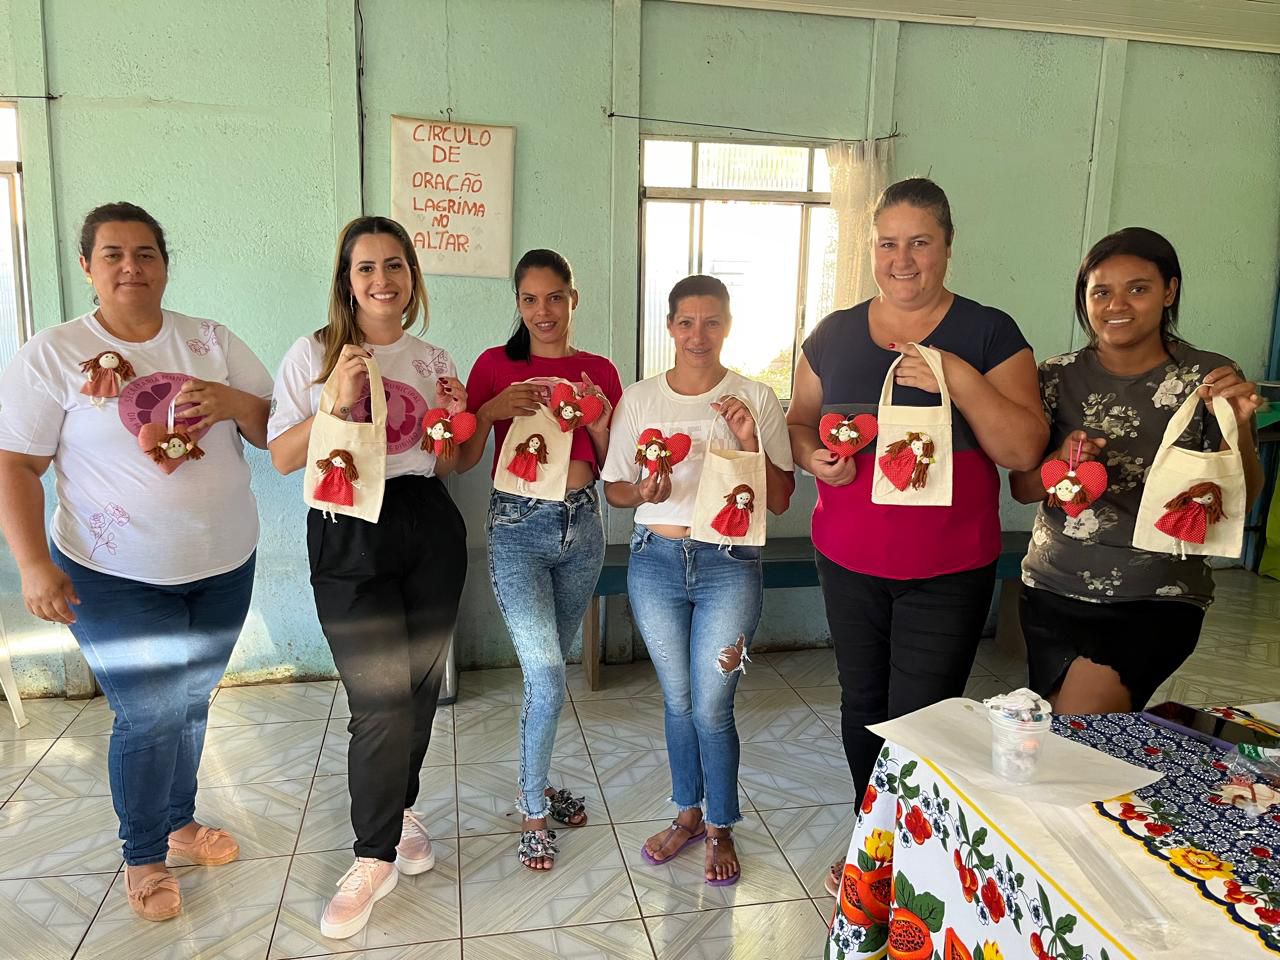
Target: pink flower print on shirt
{"points": [[207, 340], [102, 526]]}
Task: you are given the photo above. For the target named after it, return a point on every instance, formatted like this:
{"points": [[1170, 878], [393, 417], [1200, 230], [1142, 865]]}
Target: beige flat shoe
{"points": [[156, 896], [211, 847]]}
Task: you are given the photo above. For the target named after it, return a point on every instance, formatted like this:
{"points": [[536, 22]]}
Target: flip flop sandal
{"points": [[537, 845], [834, 876], [675, 825], [727, 881], [565, 807]]}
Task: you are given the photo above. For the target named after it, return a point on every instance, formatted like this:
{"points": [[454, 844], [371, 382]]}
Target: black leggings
{"points": [[387, 596], [900, 645]]}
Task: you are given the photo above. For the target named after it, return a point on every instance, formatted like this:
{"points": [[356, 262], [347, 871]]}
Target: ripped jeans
{"points": [[692, 601]]}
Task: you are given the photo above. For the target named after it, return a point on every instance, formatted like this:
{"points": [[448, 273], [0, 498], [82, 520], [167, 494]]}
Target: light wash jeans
{"points": [[157, 652], [544, 560], [691, 601]]}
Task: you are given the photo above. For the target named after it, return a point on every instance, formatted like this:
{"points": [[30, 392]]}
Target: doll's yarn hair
{"points": [[540, 453], [663, 468], [920, 473], [1213, 512], [125, 369], [732, 495], [349, 470], [158, 454], [1079, 499]]}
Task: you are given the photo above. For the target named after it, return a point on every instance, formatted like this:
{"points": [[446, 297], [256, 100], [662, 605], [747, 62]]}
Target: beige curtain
{"points": [[859, 171]]}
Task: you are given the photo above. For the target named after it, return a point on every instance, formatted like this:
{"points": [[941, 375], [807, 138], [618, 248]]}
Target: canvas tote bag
{"points": [[534, 460], [730, 505], [1193, 501], [913, 446], [355, 487]]}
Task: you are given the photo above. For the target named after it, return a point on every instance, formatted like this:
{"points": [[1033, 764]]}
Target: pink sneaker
{"points": [[367, 882], [413, 852]]}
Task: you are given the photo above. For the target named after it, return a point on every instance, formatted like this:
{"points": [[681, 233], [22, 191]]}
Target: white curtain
{"points": [[859, 171]]}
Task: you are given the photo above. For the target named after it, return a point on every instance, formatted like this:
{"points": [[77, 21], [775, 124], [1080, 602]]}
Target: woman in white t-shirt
{"points": [[697, 604], [386, 593], [142, 413]]}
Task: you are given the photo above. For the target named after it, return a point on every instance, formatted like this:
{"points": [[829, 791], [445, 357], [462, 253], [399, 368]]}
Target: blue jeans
{"points": [[692, 601], [544, 560], [157, 652]]}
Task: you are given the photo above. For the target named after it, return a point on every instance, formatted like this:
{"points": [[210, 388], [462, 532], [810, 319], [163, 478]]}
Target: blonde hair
{"points": [[342, 328]]}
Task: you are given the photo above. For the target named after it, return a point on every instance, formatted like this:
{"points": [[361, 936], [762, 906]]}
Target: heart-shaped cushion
{"points": [[1090, 475], [677, 446], [590, 405], [898, 467], [151, 435], [864, 427]]}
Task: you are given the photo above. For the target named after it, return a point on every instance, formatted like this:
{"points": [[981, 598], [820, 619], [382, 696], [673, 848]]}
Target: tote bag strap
{"points": [[719, 418], [377, 396], [1221, 410], [934, 360]]}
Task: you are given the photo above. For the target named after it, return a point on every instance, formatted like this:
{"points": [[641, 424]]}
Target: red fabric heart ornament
{"points": [[675, 447], [1073, 490], [168, 449], [862, 429], [571, 410], [452, 430], [898, 467]]}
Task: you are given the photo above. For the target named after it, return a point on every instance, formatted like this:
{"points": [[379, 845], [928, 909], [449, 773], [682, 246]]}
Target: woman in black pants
{"points": [[387, 592], [907, 588]]}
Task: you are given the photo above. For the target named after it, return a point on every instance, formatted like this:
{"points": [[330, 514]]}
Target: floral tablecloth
{"points": [[1187, 821], [930, 875]]}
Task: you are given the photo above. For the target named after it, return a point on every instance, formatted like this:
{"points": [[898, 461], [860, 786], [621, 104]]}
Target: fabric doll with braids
{"points": [[1068, 490]]}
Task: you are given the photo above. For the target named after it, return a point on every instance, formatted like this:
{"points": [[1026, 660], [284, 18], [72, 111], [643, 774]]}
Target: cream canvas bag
{"points": [[347, 462], [730, 505], [534, 460], [913, 446], [1193, 501]]}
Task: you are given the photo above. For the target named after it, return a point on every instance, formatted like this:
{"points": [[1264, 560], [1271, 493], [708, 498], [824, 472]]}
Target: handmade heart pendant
{"points": [[572, 411], [845, 436], [1074, 489], [168, 448], [658, 454]]}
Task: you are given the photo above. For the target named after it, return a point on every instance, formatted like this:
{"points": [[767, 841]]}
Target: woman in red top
{"points": [[907, 588], [544, 555]]}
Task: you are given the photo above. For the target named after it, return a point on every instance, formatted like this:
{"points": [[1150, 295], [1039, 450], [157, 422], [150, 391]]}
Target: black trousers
{"points": [[900, 645], [387, 596]]}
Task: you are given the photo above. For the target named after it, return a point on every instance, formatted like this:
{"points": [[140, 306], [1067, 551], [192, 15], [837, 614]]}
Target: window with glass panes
{"points": [[755, 215], [14, 308]]}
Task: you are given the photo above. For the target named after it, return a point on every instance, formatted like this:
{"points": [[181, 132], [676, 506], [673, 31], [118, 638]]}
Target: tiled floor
{"points": [[274, 773]]}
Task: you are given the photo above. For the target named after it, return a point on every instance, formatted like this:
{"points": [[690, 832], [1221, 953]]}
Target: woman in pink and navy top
{"points": [[907, 588]]}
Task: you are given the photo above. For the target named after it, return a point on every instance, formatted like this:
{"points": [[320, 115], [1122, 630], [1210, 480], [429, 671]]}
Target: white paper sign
{"points": [[451, 186]]}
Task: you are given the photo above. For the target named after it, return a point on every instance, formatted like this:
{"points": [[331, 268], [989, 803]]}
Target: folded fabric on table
{"points": [[956, 734]]}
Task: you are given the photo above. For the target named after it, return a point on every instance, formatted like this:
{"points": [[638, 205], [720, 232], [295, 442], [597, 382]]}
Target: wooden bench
{"points": [[787, 562]]}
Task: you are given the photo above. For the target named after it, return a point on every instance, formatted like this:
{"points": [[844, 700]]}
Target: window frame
{"points": [[697, 197], [11, 177]]}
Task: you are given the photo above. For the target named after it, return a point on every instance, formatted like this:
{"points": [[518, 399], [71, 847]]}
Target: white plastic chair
{"points": [[8, 682]]}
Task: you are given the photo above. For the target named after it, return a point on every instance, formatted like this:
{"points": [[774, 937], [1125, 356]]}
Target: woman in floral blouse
{"points": [[1106, 623]]}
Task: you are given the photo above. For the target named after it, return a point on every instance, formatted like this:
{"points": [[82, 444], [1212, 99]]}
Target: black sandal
{"points": [[537, 845], [565, 807]]}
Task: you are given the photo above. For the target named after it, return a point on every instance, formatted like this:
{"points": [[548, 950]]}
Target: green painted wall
{"points": [[1199, 160], [238, 132]]}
